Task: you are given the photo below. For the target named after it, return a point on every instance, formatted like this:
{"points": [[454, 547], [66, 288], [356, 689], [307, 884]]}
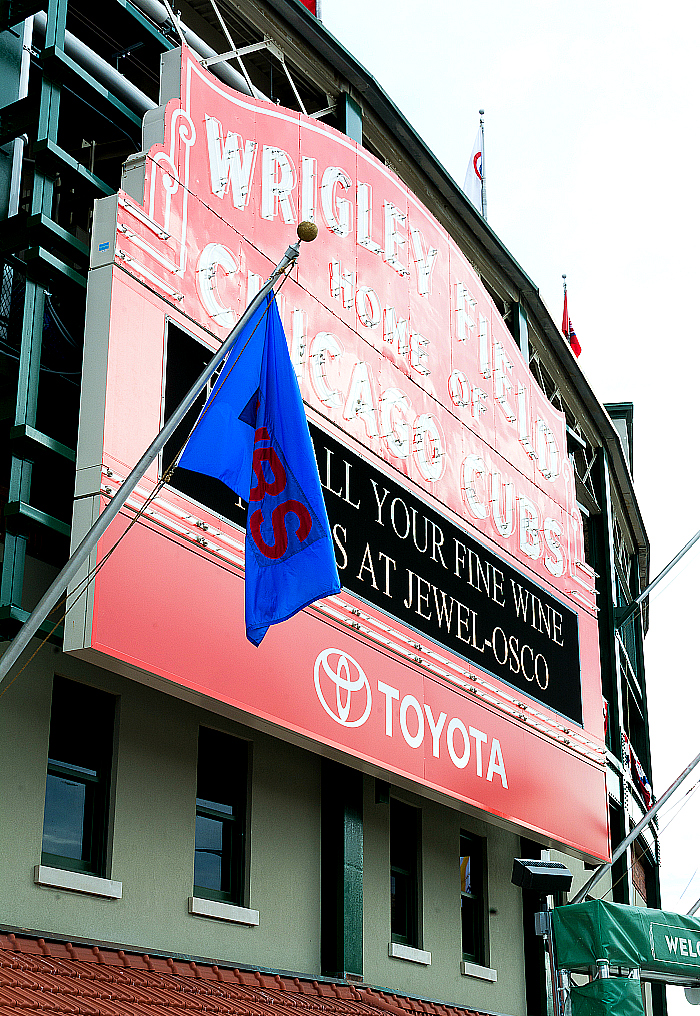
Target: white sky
{"points": [[591, 169]]}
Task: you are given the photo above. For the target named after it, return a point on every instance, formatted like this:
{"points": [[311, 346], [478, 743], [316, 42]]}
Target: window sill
{"points": [[77, 882], [223, 911], [475, 970], [408, 952]]}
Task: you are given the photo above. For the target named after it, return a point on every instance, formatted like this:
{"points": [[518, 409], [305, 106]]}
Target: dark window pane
{"points": [[64, 812], [208, 853], [399, 905], [403, 836], [404, 847], [82, 721], [219, 847], [78, 775], [221, 768], [468, 930], [472, 901]]}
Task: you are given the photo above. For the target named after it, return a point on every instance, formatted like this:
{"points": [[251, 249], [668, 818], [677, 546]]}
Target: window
{"points": [[78, 778], [471, 871], [405, 846], [222, 791]]}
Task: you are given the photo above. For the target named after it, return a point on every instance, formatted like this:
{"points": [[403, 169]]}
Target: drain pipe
{"points": [[158, 14], [101, 70]]}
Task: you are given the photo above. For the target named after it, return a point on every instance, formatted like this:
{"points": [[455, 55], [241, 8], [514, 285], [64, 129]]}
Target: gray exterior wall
{"points": [[152, 850], [153, 821], [441, 910]]}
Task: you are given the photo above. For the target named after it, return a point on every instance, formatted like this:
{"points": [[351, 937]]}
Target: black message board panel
{"points": [[412, 563]]}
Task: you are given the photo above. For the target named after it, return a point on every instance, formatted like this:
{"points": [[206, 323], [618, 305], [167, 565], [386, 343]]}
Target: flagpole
{"points": [[483, 165], [630, 610], [632, 836], [305, 231]]}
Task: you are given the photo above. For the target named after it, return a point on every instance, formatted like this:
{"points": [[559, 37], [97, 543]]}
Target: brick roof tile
{"points": [[62, 979]]}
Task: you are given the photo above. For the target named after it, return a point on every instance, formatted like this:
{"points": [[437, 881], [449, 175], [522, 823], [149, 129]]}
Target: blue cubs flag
{"points": [[252, 434]]}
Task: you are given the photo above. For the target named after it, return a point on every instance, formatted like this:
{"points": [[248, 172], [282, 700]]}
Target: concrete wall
{"points": [[152, 850]]}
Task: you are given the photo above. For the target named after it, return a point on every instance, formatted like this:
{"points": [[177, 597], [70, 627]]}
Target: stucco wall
{"points": [[152, 848], [441, 910]]}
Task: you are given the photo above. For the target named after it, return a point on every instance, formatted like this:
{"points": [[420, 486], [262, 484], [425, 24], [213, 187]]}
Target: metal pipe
{"points": [[662, 575], [554, 975], [101, 70], [694, 909], [19, 143], [82, 553], [631, 836], [158, 14]]}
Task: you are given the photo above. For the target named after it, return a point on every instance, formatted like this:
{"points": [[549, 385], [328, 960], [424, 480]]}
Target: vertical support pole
{"points": [[12, 581], [18, 143], [350, 114], [608, 562], [553, 972], [341, 871], [520, 330], [613, 650], [12, 577]]}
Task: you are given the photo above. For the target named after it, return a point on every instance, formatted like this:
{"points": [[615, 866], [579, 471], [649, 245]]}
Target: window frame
{"points": [[410, 838], [233, 817], [95, 781]]}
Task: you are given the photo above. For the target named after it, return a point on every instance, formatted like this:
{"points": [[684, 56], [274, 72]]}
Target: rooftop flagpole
{"points": [[483, 165], [305, 231]]}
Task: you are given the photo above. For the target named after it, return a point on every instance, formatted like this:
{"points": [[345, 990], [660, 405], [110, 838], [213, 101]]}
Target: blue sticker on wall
{"points": [[103, 246]]}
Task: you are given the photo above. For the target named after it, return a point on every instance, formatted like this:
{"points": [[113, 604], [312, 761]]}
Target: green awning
{"points": [[653, 940], [612, 996]]}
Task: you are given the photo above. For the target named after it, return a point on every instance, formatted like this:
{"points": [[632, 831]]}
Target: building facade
{"points": [[341, 807]]}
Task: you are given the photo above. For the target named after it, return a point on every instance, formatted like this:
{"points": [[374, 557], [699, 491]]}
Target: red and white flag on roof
{"points": [[474, 179], [568, 329]]}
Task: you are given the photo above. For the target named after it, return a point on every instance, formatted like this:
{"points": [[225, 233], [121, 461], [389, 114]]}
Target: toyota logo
{"points": [[333, 667]]}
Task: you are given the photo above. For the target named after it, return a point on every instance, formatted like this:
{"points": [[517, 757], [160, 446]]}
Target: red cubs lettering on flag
{"points": [[278, 520], [270, 456], [272, 527]]}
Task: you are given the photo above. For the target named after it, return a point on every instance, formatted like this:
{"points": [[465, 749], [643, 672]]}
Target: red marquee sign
{"points": [[402, 356]]}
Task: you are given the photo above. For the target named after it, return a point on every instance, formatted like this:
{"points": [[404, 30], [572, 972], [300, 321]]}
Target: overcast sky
{"points": [[591, 169]]}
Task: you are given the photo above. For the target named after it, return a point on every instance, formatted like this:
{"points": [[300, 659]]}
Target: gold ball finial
{"points": [[307, 231]]}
